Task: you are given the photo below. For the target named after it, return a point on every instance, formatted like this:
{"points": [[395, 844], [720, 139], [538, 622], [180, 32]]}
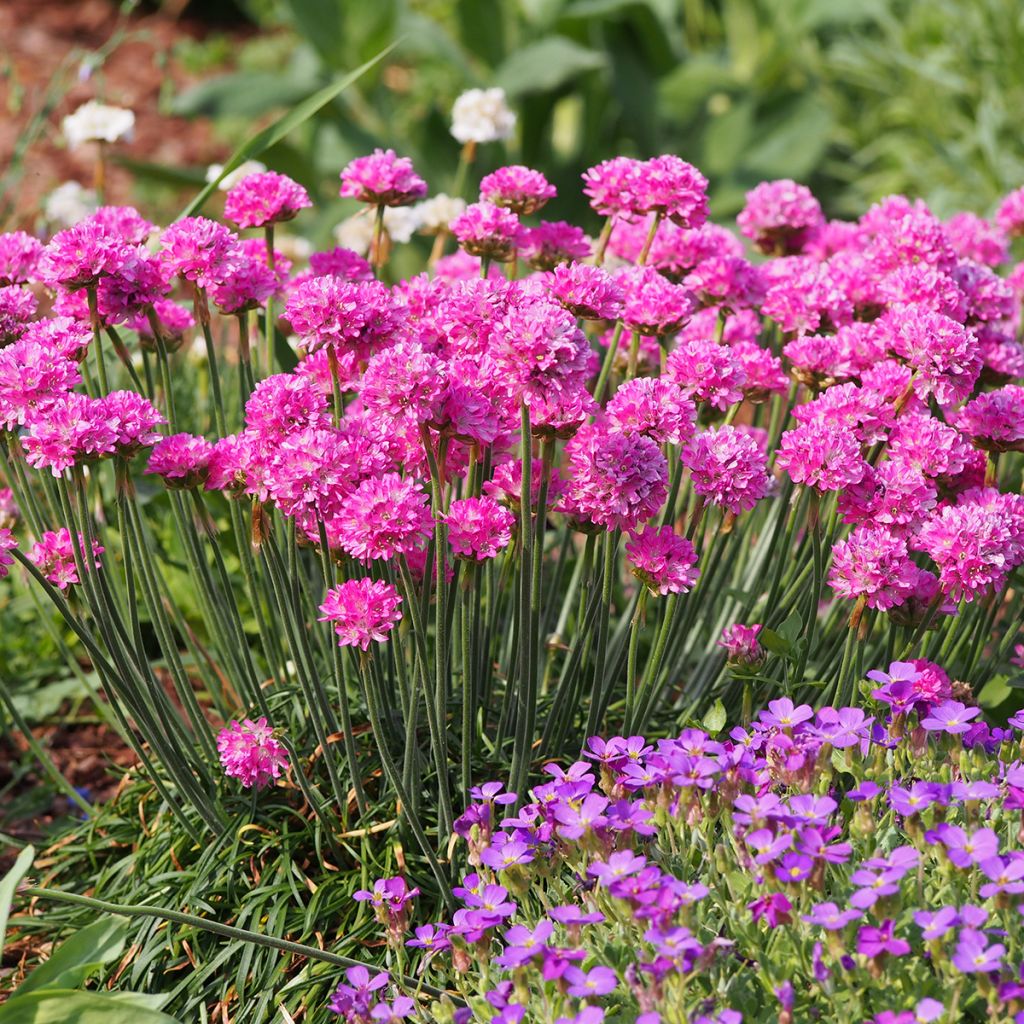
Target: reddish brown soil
{"points": [[38, 35]]}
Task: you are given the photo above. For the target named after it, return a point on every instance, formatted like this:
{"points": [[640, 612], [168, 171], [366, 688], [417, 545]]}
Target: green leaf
{"points": [[322, 24], [274, 133], [243, 94], [79, 956], [771, 641], [9, 885], [546, 65], [68, 1006], [714, 720], [792, 627]]}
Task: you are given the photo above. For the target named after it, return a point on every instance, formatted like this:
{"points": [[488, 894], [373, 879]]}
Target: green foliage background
{"points": [[857, 98]]}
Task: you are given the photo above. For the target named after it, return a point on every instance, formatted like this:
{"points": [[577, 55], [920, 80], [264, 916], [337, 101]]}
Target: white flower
{"points": [[96, 122], [232, 178], [69, 203], [482, 115], [355, 233], [401, 223], [437, 212]]}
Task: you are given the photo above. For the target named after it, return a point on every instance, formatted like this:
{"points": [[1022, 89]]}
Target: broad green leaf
{"points": [[792, 627], [68, 1006], [273, 133], [243, 94], [79, 956], [9, 886], [323, 24], [683, 92], [547, 64], [792, 143], [772, 641], [714, 720]]}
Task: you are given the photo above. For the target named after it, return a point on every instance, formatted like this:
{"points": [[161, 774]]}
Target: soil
{"points": [[38, 37]]}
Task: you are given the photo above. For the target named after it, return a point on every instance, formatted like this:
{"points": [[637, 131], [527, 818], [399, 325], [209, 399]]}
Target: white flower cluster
{"points": [[69, 203], [400, 222], [482, 115], [232, 178], [96, 122]]}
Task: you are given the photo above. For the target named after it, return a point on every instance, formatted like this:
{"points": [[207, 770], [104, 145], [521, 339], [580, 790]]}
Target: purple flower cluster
{"points": [[859, 867]]}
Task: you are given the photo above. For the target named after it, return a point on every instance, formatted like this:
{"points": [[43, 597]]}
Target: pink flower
{"points": [[124, 223], [780, 217], [654, 305], [587, 292], [361, 610], [894, 494], [19, 254], [670, 186], [7, 543], [72, 430], [972, 547], [995, 419], [654, 407], [706, 372], [821, 456], [478, 528], [182, 461], [383, 517], [539, 351], [506, 484], [729, 281], [247, 284], [264, 198], [1010, 215], [550, 243], [339, 262], [520, 189], [741, 644], [132, 419], [662, 561], [974, 238], [17, 307], [32, 377], [943, 353], [54, 556], [874, 564], [404, 380], [618, 480], [357, 317], [609, 185], [199, 250], [249, 752], [727, 468], [487, 231], [79, 256], [382, 179]]}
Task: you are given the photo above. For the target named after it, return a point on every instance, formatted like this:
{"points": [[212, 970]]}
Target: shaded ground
{"points": [[39, 37]]}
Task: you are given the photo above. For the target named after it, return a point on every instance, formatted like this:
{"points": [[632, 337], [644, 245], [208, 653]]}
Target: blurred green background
{"points": [[857, 98]]}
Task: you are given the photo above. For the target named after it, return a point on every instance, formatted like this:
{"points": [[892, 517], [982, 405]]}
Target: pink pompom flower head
{"points": [[478, 528], [587, 292], [199, 250], [382, 179], [265, 198], [488, 231], [54, 556], [741, 645], [8, 542], [518, 188], [361, 611], [182, 461], [550, 243], [780, 217], [664, 562], [19, 254], [250, 753]]}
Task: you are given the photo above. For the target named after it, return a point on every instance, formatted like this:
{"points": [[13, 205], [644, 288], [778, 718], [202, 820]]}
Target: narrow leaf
{"points": [[9, 885]]}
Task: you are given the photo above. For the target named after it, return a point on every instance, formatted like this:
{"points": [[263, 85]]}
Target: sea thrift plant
{"points": [[421, 519]]}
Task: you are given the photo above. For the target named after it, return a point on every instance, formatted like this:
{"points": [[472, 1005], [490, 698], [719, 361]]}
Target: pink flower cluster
{"points": [[250, 753]]}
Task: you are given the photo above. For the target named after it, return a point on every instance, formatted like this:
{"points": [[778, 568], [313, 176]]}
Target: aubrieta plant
{"points": [[832, 865], [552, 486]]}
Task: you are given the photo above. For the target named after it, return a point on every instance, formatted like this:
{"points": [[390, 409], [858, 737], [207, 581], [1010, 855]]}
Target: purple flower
{"points": [[950, 716], [934, 924], [830, 917], [794, 867], [973, 954], [575, 821], [774, 908], [618, 865], [598, 981], [782, 714], [874, 942]]}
